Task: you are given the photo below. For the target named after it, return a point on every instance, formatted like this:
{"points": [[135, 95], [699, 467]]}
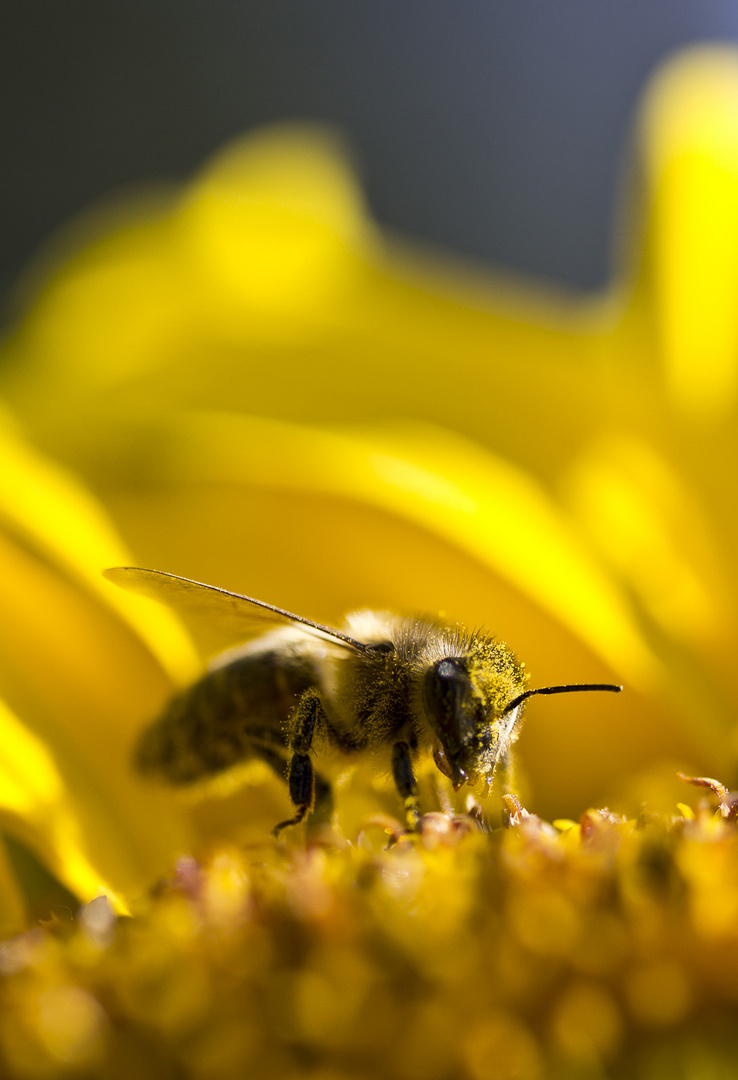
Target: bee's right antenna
{"points": [[572, 688]]}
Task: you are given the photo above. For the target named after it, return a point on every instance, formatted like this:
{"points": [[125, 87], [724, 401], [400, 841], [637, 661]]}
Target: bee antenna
{"points": [[571, 688]]}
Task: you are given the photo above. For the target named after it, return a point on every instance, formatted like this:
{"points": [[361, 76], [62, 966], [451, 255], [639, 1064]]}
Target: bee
{"points": [[386, 684]]}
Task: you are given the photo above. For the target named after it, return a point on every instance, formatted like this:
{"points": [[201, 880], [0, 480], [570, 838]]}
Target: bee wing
{"points": [[234, 617]]}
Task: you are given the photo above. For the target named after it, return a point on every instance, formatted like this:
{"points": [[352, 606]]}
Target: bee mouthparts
{"points": [[459, 778], [455, 773], [442, 763]]}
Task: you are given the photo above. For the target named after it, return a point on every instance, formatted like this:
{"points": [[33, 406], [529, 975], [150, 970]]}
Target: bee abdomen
{"points": [[232, 713]]}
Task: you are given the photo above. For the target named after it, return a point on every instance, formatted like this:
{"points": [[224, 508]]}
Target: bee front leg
{"points": [[505, 774], [301, 779], [402, 771]]}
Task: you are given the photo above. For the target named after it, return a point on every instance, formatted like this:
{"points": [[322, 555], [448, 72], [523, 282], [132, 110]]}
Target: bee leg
{"points": [[302, 782], [505, 775], [402, 771]]}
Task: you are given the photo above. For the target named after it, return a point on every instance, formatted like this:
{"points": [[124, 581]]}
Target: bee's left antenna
{"points": [[571, 688]]}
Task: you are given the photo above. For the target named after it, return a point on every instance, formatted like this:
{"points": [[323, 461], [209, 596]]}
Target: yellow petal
{"points": [[689, 131], [270, 228], [81, 677], [48, 512], [33, 799]]}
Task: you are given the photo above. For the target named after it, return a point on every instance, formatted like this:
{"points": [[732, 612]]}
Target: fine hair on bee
{"points": [[386, 683]]}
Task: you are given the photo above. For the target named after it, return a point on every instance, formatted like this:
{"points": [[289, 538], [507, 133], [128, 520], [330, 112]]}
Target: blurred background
{"points": [[495, 130]]}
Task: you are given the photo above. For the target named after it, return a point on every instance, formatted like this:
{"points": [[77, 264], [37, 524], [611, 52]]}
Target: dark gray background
{"points": [[491, 127]]}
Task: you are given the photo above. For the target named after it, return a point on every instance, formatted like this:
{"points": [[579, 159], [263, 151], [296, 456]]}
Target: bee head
{"points": [[460, 715], [474, 706]]}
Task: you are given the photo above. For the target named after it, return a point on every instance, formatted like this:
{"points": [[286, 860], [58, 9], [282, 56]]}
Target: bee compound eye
{"points": [[443, 689]]}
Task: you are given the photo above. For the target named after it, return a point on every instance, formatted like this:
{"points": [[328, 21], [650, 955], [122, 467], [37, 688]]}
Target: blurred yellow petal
{"points": [[636, 508], [76, 668], [33, 797], [657, 536], [271, 228], [42, 507], [123, 265], [689, 130]]}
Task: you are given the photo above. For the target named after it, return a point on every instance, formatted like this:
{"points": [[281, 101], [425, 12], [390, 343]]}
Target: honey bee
{"points": [[393, 685]]}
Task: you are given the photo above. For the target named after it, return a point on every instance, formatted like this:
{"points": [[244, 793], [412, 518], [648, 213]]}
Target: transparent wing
{"points": [[229, 617]]}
